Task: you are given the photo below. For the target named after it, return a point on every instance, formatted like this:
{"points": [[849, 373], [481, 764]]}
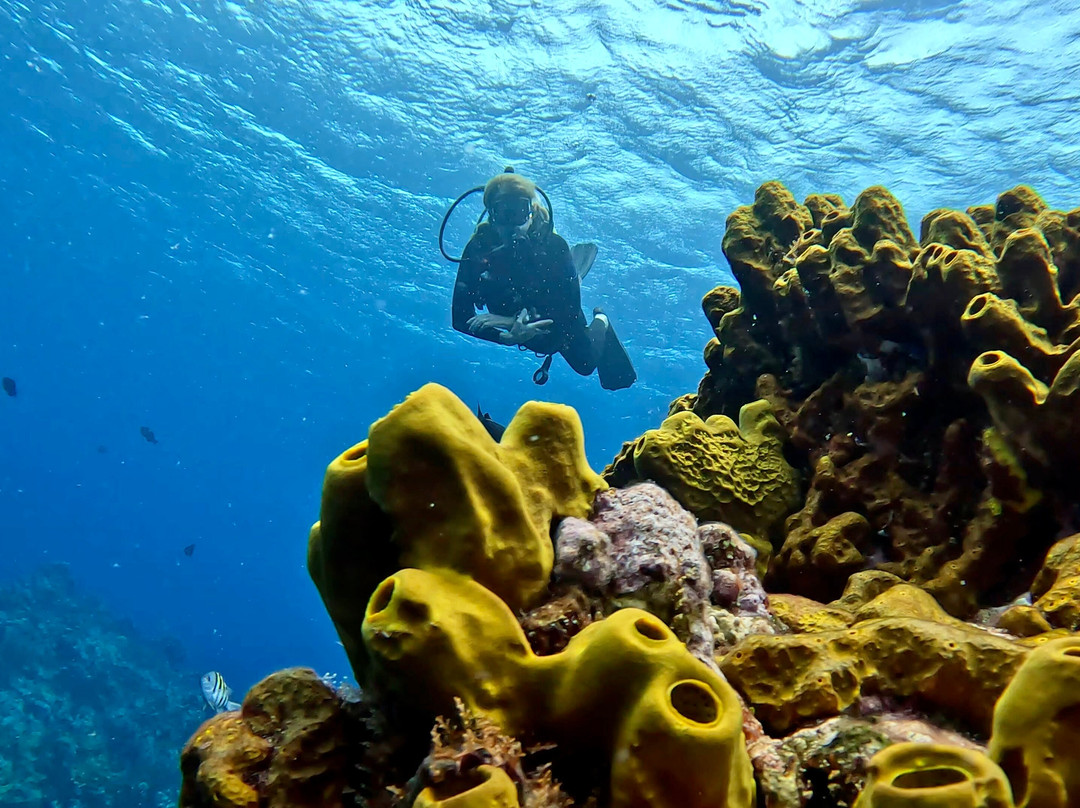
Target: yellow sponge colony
{"points": [[349, 548], [459, 500], [789, 679], [434, 636], [625, 687], [430, 489], [917, 775]]}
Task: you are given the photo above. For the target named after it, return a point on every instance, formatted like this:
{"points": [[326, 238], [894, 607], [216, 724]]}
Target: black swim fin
{"points": [[615, 369], [583, 256], [493, 429]]}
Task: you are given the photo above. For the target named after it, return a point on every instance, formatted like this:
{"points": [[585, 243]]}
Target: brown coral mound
{"points": [[284, 748], [862, 339]]}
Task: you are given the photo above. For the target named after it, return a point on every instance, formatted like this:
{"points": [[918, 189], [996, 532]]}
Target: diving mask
{"points": [[509, 205], [515, 212]]}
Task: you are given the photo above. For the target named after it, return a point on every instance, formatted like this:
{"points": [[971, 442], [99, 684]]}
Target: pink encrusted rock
{"points": [[827, 763], [735, 583], [641, 548], [654, 558], [653, 539], [584, 555]]}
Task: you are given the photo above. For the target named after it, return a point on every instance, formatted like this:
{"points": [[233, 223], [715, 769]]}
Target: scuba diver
{"points": [[518, 268]]}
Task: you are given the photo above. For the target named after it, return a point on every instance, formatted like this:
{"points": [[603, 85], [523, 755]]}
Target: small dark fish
{"points": [[147, 433], [102, 449], [494, 429], [9, 386], [189, 550], [216, 693]]}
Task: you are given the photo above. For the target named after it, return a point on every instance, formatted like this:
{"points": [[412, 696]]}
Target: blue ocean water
{"points": [[218, 221]]}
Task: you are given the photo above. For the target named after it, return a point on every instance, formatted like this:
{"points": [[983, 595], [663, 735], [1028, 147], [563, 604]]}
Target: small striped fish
{"points": [[217, 693]]}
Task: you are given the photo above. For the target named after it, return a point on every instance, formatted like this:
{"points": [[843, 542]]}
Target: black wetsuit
{"points": [[534, 272]]}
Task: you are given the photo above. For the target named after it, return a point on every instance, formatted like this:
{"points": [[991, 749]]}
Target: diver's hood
{"points": [[508, 184]]}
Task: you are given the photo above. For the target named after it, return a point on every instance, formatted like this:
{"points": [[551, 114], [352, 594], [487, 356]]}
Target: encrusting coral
{"points": [[717, 470], [640, 548], [284, 748]]}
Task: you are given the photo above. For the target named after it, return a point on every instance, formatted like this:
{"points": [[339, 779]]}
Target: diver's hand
{"points": [[522, 331], [482, 321]]}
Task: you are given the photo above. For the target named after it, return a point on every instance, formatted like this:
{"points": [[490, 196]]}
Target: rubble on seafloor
{"points": [[845, 571]]}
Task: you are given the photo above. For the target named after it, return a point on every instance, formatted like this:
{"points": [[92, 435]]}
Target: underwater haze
{"points": [[219, 231]]}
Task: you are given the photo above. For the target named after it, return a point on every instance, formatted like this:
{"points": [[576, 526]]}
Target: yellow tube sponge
{"points": [[625, 688], [431, 489], [679, 727], [1034, 418], [1057, 586], [349, 548], [483, 787], [923, 775], [1036, 734], [459, 500], [992, 323], [434, 636]]}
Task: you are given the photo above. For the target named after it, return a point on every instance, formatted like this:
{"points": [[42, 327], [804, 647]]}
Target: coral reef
{"points": [[860, 594], [828, 763], [550, 625], [622, 700], [91, 713], [922, 385], [472, 760], [640, 548]]}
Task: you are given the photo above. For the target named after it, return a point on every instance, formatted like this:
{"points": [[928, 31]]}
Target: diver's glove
{"points": [[522, 331], [482, 321]]}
